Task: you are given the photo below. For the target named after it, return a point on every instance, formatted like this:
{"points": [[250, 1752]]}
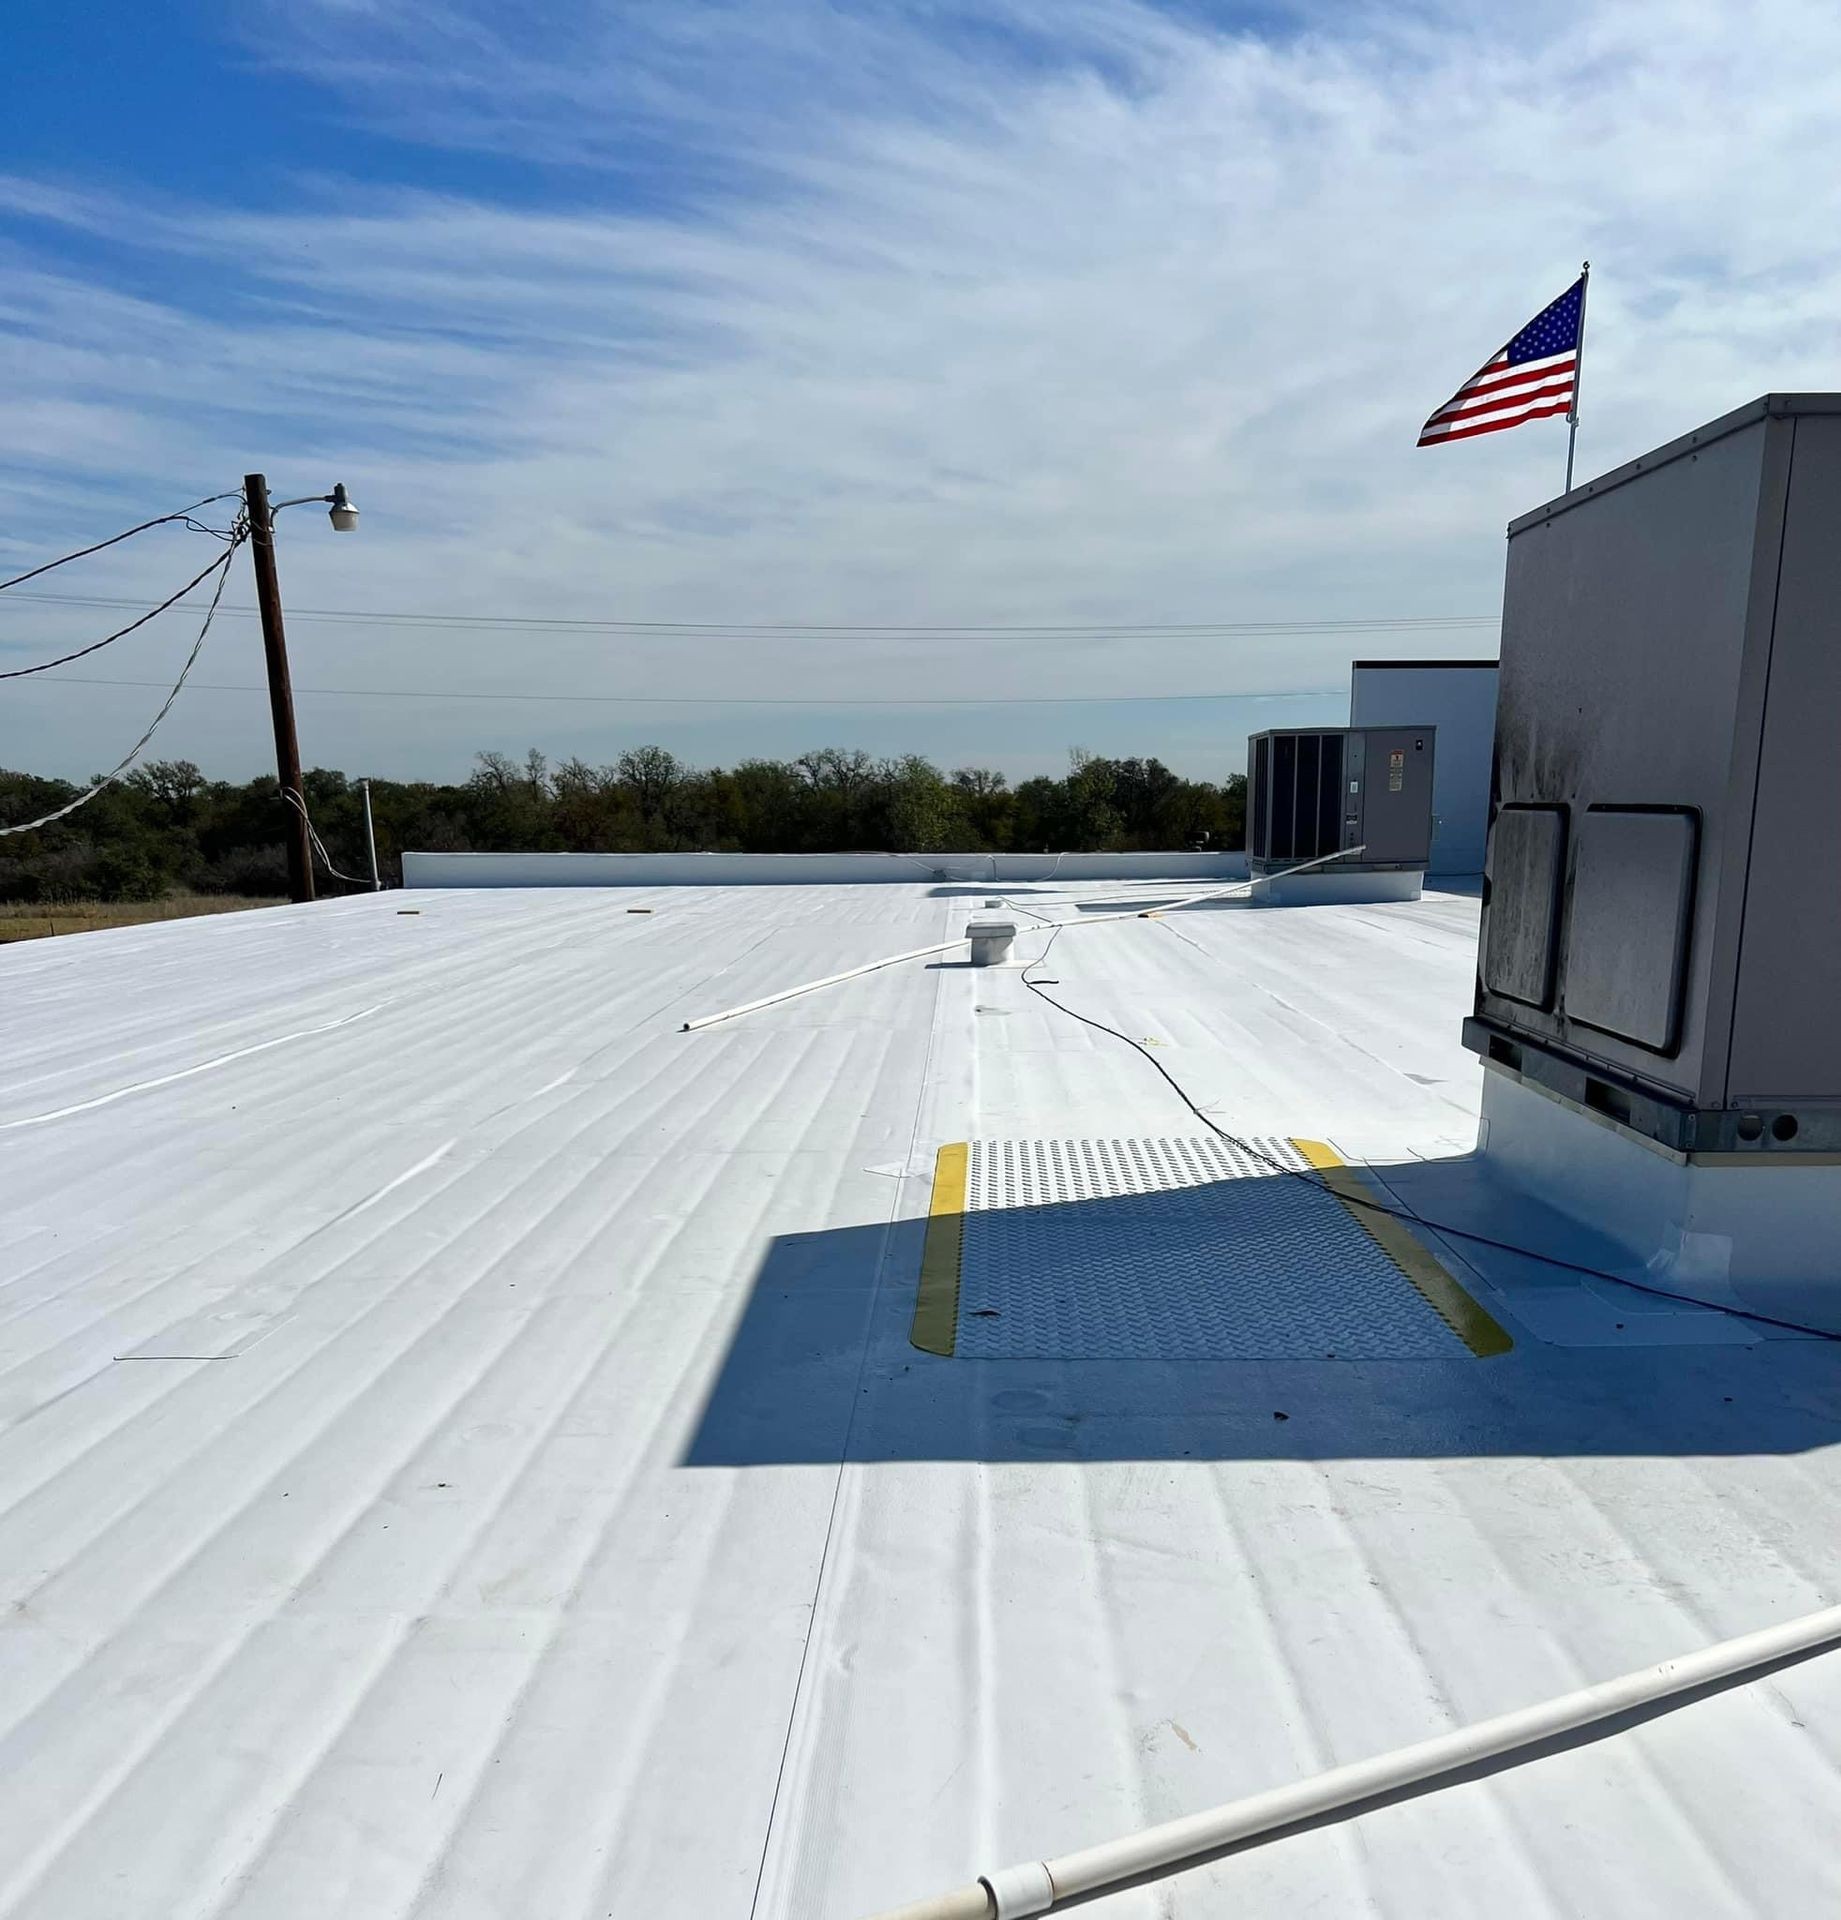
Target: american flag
{"points": [[1532, 378]]}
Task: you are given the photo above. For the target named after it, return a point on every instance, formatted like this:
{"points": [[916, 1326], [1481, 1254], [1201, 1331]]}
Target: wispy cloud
{"points": [[1031, 313]]}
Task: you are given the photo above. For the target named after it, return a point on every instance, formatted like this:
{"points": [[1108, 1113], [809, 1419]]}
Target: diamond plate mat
{"points": [[1174, 1249]]}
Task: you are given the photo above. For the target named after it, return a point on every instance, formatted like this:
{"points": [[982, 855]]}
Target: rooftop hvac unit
{"points": [[1313, 793], [1658, 974], [1662, 920]]}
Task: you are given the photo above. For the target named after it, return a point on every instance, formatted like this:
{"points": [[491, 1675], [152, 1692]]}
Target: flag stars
{"points": [[1507, 390]]}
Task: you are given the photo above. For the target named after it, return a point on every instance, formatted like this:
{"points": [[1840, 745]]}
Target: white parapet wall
{"points": [[804, 869]]}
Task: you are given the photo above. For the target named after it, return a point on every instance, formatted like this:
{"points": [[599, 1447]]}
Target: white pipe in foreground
{"points": [[963, 1903], [1042, 1885]]}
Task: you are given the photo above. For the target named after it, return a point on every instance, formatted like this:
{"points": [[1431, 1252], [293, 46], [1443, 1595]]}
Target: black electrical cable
{"points": [[121, 633], [1401, 1213], [115, 540], [221, 566]]}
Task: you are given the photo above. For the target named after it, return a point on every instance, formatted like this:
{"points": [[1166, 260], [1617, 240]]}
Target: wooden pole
{"points": [[280, 687]]}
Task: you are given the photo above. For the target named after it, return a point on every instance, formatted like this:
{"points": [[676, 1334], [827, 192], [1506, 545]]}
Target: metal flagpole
{"points": [[1572, 418]]}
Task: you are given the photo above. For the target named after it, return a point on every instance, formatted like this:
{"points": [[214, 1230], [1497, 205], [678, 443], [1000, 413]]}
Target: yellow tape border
{"points": [[936, 1301], [1473, 1324]]}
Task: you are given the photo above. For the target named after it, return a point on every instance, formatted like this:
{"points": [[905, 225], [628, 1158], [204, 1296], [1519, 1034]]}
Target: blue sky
{"points": [[1039, 313]]}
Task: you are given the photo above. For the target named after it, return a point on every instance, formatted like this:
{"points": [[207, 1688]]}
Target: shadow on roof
{"points": [[1219, 1323]]}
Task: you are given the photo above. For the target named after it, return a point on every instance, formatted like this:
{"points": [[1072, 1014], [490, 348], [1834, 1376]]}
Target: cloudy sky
{"points": [[872, 315]]}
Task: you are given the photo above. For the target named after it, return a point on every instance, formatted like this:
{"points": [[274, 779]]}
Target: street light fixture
{"points": [[342, 514], [262, 512]]}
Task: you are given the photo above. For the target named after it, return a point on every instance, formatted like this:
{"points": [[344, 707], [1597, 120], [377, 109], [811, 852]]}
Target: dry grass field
{"points": [[38, 920]]}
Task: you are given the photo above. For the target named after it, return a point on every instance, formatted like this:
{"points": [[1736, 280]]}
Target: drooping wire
{"points": [[166, 519], [319, 846], [121, 633], [238, 534], [1400, 1212]]}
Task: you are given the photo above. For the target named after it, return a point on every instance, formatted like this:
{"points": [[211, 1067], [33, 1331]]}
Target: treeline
{"points": [[165, 827]]}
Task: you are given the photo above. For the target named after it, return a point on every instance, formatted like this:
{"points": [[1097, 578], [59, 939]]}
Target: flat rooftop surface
{"points": [[464, 1450]]}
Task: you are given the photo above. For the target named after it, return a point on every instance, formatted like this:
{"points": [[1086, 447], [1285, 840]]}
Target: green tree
{"points": [[925, 813], [650, 775], [986, 804], [167, 825]]}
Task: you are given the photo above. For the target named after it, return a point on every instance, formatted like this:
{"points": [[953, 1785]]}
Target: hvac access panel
{"points": [[1662, 912], [1393, 822]]}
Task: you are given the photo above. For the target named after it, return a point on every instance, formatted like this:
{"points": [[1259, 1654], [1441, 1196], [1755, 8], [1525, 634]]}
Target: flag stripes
{"points": [[1534, 377]]}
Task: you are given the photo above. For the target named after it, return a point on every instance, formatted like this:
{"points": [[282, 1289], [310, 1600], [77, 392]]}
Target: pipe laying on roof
{"points": [[952, 946], [812, 986], [964, 1903], [1214, 893], [1039, 1886]]}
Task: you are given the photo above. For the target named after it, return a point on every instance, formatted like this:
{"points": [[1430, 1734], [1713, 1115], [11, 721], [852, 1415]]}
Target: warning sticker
{"points": [[1396, 771]]}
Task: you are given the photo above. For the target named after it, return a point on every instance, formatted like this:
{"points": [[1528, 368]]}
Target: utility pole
{"points": [[370, 835], [280, 688]]}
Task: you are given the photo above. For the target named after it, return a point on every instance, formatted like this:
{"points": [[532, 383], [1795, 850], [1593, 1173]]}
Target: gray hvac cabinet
{"points": [[1661, 937], [1318, 791]]}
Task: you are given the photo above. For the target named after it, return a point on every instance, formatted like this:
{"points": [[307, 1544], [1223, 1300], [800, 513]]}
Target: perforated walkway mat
{"points": [[1177, 1249]]}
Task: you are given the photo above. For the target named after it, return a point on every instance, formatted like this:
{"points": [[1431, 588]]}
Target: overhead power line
{"points": [[1116, 629], [722, 699], [120, 633], [115, 539], [236, 538]]}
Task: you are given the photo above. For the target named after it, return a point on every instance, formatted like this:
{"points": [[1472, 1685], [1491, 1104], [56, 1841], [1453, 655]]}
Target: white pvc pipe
{"points": [[1179, 1842], [1215, 893], [812, 986], [963, 1903], [951, 946]]}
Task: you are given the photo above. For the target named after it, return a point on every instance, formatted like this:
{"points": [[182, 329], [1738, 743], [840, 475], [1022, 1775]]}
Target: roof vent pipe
{"points": [[991, 940]]}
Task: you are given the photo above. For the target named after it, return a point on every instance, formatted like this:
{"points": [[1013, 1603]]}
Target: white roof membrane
{"points": [[462, 1452]]}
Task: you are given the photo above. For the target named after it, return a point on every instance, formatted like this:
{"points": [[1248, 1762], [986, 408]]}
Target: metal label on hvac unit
{"points": [[1396, 770]]}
